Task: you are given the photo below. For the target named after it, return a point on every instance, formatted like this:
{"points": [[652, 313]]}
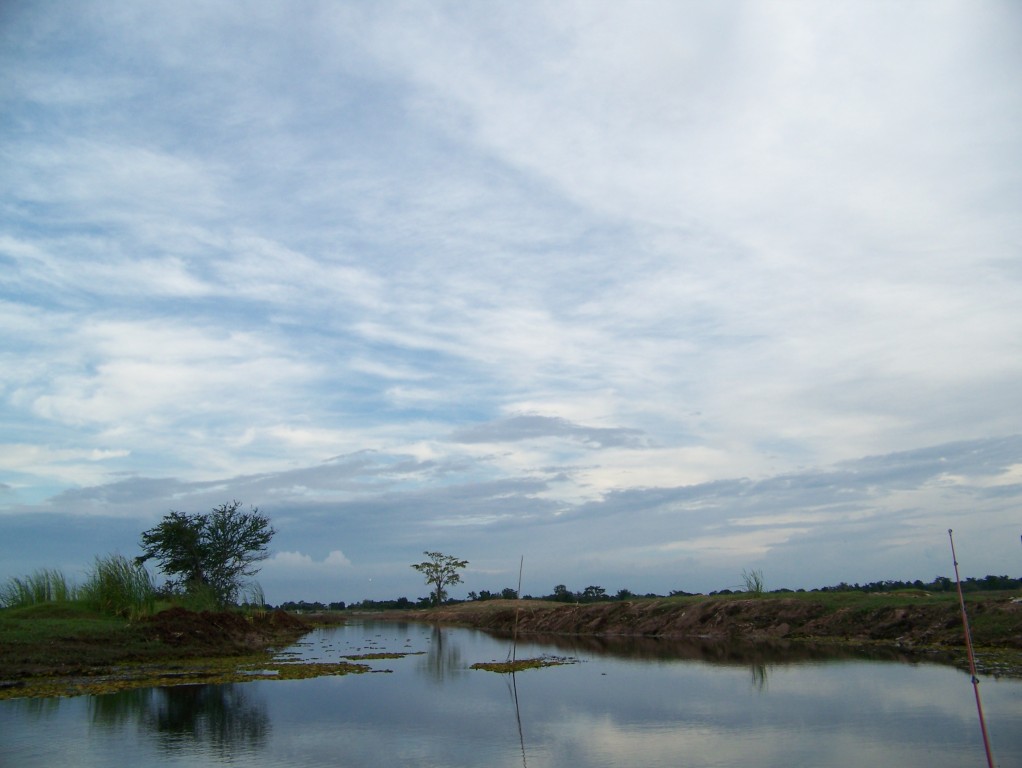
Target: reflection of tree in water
{"points": [[218, 714], [442, 659], [726, 652], [115, 709], [220, 717], [759, 676], [41, 707]]}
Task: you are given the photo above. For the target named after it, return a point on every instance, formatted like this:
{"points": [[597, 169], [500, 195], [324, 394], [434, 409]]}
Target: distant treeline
{"points": [[303, 606], [595, 594], [939, 584]]}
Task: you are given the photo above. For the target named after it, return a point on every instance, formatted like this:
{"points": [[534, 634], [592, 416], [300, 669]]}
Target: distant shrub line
{"points": [[118, 586], [595, 594]]}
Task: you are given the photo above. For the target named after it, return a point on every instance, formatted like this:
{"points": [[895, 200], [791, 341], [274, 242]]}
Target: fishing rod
{"points": [[972, 658]]}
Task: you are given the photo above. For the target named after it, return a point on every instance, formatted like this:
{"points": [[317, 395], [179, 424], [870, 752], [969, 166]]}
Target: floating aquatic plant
{"points": [[518, 665]]}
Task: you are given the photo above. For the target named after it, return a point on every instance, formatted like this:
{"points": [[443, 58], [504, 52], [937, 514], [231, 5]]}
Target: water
{"points": [[634, 703]]}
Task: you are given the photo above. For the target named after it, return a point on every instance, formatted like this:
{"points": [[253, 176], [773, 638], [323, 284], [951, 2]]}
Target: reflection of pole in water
{"points": [[518, 717], [512, 657]]}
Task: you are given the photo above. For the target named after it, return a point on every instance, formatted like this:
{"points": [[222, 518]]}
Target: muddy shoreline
{"points": [[910, 627], [923, 623]]}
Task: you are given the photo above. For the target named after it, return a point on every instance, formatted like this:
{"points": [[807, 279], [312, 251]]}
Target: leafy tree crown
{"points": [[216, 550], [441, 571]]}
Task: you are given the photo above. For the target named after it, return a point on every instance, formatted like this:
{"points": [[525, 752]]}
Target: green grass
{"points": [[115, 585], [62, 635], [119, 587], [44, 586], [848, 599]]}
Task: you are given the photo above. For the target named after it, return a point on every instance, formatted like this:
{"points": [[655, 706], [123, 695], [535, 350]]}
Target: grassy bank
{"points": [[68, 648]]}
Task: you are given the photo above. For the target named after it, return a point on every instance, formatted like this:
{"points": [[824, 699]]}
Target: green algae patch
{"points": [[381, 655], [306, 671], [214, 671], [995, 662], [519, 665]]}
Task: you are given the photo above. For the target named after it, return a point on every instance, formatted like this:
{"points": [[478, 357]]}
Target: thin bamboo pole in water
{"points": [[972, 658], [518, 596]]}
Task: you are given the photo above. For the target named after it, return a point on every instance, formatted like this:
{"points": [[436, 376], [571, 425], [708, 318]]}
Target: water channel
{"points": [[621, 703]]}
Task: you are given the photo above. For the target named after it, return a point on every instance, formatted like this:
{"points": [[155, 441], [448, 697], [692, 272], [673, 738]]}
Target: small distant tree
{"points": [[562, 594], [441, 571], [211, 551], [592, 593]]}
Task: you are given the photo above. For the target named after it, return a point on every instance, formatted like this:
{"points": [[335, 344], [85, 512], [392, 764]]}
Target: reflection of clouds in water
{"points": [[601, 741], [810, 714], [774, 738], [907, 688]]}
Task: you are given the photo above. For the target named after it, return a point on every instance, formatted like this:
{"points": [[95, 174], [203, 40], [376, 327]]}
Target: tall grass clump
{"points": [[253, 600], [754, 584], [119, 586], [46, 585]]}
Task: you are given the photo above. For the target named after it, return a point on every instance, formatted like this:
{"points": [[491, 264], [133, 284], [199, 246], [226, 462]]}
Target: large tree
{"points": [[440, 570], [215, 550]]}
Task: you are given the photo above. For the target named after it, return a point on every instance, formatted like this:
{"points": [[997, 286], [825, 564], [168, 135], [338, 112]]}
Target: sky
{"points": [[639, 295]]}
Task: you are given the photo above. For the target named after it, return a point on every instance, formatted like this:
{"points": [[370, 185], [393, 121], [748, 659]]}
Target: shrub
{"points": [[198, 598]]}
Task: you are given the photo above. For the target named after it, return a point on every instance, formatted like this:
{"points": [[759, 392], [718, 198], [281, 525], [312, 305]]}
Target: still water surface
{"points": [[636, 703]]}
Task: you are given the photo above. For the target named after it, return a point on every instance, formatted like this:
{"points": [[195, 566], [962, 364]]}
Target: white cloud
{"points": [[138, 187], [85, 466], [734, 547], [337, 558], [290, 562]]}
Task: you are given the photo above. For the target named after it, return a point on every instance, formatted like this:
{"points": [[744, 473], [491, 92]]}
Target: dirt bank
{"points": [[904, 621], [221, 634]]}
